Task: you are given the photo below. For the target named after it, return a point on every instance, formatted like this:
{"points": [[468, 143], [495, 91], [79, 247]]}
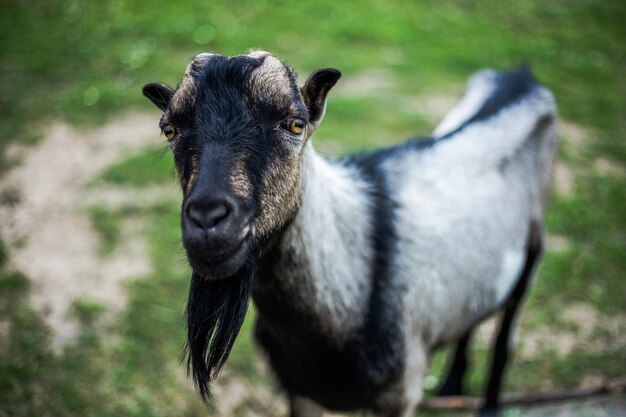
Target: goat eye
{"points": [[169, 132], [294, 124]]}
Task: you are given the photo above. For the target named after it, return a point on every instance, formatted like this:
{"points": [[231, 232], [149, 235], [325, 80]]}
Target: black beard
{"points": [[215, 312]]}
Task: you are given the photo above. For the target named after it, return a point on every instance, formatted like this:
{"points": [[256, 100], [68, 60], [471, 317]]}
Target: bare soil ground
{"points": [[48, 230]]}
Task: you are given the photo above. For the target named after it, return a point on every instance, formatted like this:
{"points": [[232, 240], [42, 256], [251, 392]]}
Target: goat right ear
{"points": [[315, 90], [158, 93]]}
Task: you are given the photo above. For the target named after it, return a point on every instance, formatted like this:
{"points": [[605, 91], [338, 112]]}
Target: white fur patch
{"points": [[462, 206], [333, 228], [479, 88], [258, 53], [416, 366], [487, 142], [203, 56], [512, 264]]}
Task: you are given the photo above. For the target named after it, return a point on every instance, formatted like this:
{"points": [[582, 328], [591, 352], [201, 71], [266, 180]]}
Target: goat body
{"points": [[359, 267]]}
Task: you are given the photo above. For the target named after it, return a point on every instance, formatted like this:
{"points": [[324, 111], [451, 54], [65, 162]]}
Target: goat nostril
{"points": [[216, 215], [211, 217]]}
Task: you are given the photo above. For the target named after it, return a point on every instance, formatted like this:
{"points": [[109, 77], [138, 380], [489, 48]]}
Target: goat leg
{"points": [[502, 345]]}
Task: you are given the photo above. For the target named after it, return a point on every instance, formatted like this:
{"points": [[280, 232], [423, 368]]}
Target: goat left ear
{"points": [[315, 90], [158, 93]]}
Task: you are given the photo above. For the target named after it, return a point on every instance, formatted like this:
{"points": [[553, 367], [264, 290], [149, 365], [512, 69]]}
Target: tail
{"points": [[497, 115], [487, 93]]}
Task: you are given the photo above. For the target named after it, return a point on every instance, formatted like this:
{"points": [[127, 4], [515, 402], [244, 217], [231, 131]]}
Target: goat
{"points": [[359, 267]]}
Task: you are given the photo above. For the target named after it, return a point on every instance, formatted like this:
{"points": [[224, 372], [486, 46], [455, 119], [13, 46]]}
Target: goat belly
{"points": [[337, 377]]}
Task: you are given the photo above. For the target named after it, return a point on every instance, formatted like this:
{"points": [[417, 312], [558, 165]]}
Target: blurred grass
{"points": [[84, 62], [149, 167]]}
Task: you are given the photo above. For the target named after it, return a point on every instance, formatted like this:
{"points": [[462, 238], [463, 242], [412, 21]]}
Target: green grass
{"points": [[84, 62], [149, 167], [128, 367], [107, 226], [87, 58]]}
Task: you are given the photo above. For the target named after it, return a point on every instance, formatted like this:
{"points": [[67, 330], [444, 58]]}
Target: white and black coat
{"points": [[359, 267]]}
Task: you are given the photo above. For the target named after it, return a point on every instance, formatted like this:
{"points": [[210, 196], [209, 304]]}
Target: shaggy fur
{"points": [[359, 267]]}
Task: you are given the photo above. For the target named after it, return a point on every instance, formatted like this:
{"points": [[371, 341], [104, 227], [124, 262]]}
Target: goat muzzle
{"points": [[217, 231]]}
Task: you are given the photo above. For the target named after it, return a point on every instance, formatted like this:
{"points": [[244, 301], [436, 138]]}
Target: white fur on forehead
{"points": [[271, 78], [203, 56], [198, 60], [272, 67], [258, 53], [187, 88], [270, 63]]}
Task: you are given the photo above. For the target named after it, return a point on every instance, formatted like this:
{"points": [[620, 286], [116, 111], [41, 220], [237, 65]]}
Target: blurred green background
{"points": [[82, 63]]}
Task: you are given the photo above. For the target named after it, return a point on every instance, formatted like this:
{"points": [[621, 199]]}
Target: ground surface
{"points": [[92, 276], [72, 261]]}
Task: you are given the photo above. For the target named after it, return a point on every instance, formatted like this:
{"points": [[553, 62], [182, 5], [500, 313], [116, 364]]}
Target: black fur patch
{"points": [[370, 162], [221, 109], [383, 353], [350, 375], [215, 312], [510, 88]]}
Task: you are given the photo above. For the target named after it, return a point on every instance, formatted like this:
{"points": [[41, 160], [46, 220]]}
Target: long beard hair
{"points": [[215, 312]]}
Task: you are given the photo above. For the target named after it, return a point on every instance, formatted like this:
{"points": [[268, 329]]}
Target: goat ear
{"points": [[158, 93], [315, 90]]}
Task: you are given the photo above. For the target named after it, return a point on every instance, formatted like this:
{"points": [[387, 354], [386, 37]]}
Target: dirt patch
{"points": [[50, 236], [564, 179], [118, 197], [576, 136], [581, 322], [234, 394], [609, 168], [558, 243]]}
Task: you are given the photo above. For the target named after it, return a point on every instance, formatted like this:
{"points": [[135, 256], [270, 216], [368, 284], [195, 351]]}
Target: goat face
{"points": [[237, 127]]}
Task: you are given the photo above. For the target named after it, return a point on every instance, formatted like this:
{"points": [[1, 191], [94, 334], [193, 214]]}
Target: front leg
{"points": [[403, 400], [303, 407]]}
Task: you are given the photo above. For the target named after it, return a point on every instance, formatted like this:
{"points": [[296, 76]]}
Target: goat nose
{"points": [[208, 216]]}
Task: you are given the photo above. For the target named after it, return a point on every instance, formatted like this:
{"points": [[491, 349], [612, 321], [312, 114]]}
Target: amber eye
{"points": [[169, 132], [294, 125]]}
